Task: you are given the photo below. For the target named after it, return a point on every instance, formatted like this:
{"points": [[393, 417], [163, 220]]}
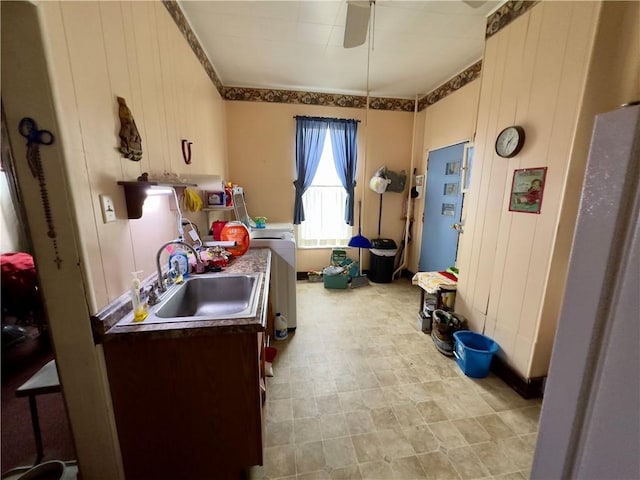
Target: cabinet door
{"points": [[261, 366], [182, 405]]}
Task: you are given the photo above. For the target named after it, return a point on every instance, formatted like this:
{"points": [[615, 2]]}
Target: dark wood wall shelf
{"points": [[135, 193]]}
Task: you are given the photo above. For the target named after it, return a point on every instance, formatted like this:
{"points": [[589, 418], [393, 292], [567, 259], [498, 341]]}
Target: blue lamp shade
{"points": [[359, 242]]}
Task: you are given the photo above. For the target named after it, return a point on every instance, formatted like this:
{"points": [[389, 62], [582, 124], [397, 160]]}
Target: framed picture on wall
{"points": [[527, 189]]}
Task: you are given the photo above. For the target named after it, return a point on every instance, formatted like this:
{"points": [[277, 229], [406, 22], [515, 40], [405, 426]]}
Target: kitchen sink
{"points": [[209, 297]]}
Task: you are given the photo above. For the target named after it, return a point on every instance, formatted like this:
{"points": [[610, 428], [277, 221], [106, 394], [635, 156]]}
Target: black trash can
{"points": [[382, 260]]}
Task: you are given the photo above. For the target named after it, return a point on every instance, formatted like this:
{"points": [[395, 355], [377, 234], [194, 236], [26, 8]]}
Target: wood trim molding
{"points": [[527, 388]]}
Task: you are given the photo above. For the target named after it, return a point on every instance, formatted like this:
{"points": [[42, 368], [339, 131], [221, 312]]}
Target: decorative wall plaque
{"points": [[130, 140]]}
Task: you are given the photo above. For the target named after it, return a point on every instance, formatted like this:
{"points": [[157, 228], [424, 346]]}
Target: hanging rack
{"points": [[380, 215]]}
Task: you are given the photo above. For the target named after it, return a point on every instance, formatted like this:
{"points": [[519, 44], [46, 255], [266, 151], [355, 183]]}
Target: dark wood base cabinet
{"points": [[189, 407]]}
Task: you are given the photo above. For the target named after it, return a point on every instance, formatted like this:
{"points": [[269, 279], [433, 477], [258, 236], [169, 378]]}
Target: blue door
{"points": [[442, 209]]}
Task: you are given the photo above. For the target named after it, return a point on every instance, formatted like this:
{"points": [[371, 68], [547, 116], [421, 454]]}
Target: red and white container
{"points": [[239, 233], [216, 228]]}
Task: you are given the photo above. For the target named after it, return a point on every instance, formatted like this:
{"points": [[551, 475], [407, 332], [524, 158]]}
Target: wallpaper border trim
{"points": [[183, 25], [506, 14], [460, 80], [495, 22], [316, 98]]}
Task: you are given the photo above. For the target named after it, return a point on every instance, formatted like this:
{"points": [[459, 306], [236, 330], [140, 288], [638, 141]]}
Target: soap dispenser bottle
{"points": [[139, 307], [179, 261]]}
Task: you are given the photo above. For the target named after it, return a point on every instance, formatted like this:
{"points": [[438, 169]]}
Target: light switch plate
{"points": [[108, 210]]}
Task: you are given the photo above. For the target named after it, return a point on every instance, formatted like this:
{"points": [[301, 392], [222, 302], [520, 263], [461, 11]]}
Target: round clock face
{"points": [[510, 141]]}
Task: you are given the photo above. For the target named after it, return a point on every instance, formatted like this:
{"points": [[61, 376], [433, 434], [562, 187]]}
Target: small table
{"points": [[435, 283], [43, 381]]}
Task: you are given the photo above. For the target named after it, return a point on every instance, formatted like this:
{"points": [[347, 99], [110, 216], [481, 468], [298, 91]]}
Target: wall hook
{"points": [[186, 152]]}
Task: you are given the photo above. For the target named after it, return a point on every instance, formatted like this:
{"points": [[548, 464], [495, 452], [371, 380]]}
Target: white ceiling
{"points": [[297, 45]]}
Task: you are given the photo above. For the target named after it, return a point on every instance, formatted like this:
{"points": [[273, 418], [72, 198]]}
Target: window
{"points": [[324, 204], [331, 142]]}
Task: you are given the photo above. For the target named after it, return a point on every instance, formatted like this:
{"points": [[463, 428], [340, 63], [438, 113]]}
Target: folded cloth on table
{"points": [[431, 282], [452, 271], [449, 275]]}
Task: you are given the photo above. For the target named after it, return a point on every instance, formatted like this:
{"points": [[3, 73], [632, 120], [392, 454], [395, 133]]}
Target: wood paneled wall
{"points": [[101, 50], [534, 73], [64, 63]]}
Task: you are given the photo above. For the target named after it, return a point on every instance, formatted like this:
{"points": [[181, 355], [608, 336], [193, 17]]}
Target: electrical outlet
{"points": [[108, 210]]}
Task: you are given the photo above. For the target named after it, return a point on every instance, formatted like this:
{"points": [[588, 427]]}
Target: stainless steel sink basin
{"points": [[209, 297]]}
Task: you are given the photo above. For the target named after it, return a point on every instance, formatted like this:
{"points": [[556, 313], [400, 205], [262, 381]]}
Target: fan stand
{"points": [[360, 280], [380, 215], [359, 241]]}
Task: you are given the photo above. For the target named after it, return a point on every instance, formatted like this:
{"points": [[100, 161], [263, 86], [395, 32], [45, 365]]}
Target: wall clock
{"points": [[510, 141]]}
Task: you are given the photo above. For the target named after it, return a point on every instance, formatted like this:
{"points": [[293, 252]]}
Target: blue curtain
{"points": [[345, 156], [310, 134]]}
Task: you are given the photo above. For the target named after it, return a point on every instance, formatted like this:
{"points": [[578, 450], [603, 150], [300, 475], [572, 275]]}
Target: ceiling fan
{"points": [[358, 15], [475, 3], [355, 30]]}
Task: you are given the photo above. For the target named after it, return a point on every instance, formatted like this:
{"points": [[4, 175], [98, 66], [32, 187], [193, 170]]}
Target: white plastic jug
{"points": [[281, 327]]}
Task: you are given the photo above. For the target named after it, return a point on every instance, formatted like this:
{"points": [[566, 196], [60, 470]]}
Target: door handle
{"points": [[458, 227]]}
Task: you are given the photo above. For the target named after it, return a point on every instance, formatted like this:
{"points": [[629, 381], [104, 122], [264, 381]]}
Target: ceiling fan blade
{"points": [[475, 3], [355, 30]]}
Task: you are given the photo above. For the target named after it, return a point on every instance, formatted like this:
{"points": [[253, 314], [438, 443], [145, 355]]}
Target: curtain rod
{"points": [[328, 118]]}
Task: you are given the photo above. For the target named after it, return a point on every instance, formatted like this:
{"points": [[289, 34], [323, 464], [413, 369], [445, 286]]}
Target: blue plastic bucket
{"points": [[473, 353]]}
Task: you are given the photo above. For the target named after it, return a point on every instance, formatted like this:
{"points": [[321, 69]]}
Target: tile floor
{"points": [[360, 393]]}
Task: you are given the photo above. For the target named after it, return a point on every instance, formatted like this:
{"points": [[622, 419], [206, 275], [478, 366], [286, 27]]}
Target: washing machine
{"points": [[280, 239]]}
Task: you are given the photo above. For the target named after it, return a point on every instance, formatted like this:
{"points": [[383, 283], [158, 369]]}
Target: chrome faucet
{"points": [[161, 286]]}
